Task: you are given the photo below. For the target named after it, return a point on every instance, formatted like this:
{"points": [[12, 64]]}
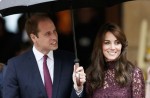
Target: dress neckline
{"points": [[110, 64]]}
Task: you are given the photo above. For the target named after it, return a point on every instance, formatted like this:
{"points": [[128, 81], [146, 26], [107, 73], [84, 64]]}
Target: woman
{"points": [[111, 75]]}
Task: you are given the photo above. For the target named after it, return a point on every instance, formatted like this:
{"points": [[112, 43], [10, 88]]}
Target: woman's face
{"points": [[111, 47]]}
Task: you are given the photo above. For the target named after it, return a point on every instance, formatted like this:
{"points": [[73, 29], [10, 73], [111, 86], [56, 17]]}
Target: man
{"points": [[3, 68], [25, 76]]}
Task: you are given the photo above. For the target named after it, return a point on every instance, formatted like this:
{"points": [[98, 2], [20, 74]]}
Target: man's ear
{"points": [[33, 37]]}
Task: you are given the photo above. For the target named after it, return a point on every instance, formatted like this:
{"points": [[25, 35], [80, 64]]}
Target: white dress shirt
{"points": [[50, 62]]}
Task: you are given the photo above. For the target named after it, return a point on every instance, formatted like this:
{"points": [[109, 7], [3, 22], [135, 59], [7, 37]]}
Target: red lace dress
{"points": [[111, 89]]}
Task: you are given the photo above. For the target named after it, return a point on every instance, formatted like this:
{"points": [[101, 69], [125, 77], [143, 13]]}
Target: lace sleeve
{"points": [[138, 85]]}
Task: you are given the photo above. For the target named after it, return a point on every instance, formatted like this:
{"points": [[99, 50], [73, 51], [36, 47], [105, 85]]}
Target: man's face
{"points": [[47, 38]]}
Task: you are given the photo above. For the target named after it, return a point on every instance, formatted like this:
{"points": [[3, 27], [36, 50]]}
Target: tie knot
{"points": [[45, 57]]}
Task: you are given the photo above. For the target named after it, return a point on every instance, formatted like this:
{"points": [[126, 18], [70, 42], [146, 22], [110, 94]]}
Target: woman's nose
{"points": [[112, 46]]}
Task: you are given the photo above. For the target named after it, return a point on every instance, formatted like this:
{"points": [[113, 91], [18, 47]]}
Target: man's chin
{"points": [[54, 48]]}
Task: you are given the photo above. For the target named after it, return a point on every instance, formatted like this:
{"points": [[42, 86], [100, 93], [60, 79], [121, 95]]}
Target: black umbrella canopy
{"points": [[27, 6], [76, 4], [22, 6]]}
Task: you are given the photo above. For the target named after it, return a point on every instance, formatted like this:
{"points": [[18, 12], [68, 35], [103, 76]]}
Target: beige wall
{"points": [[136, 25]]}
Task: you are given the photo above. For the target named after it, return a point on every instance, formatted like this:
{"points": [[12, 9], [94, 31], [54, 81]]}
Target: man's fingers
{"points": [[79, 75], [76, 66], [80, 69]]}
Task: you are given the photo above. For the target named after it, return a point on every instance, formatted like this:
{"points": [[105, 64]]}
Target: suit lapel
{"points": [[57, 74], [36, 74]]}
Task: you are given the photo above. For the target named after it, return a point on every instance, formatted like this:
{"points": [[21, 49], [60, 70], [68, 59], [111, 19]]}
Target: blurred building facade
{"points": [[136, 24]]}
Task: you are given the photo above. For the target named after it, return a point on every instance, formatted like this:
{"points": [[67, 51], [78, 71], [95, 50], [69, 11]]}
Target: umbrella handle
{"points": [[76, 60], [77, 78]]}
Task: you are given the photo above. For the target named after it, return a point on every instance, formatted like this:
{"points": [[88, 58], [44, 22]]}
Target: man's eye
{"points": [[48, 33]]}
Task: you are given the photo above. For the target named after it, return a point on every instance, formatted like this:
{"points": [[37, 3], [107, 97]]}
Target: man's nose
{"points": [[54, 36]]}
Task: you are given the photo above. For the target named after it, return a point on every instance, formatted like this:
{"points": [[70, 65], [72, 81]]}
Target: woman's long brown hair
{"points": [[123, 67]]}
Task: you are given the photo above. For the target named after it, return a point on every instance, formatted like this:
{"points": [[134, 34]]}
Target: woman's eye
{"points": [[106, 43], [118, 42]]}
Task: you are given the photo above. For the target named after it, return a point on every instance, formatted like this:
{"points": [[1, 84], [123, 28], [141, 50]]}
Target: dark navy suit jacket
{"points": [[23, 79]]}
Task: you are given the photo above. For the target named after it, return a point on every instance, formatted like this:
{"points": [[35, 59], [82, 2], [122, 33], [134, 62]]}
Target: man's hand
{"points": [[79, 77]]}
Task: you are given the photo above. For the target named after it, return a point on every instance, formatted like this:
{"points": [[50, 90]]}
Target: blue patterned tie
{"points": [[47, 78]]}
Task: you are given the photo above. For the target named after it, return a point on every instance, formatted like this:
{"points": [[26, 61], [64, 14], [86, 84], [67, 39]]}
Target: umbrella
{"points": [[21, 6]]}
